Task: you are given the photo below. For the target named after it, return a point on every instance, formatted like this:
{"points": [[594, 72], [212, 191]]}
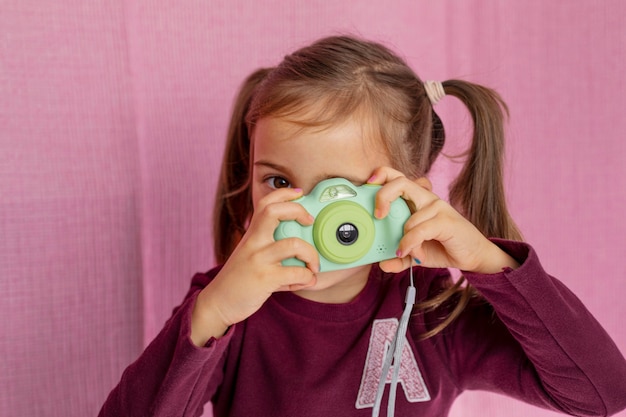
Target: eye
{"points": [[276, 182]]}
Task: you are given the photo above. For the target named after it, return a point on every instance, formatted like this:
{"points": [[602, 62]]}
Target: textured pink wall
{"points": [[112, 119]]}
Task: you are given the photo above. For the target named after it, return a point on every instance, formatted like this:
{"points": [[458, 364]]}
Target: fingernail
{"points": [[372, 179], [298, 190], [378, 213], [399, 253], [417, 261]]}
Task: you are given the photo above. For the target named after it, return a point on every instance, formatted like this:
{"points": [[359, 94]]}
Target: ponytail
{"points": [[478, 191], [233, 199]]}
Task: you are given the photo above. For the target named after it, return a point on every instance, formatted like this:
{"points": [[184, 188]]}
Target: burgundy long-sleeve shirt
{"points": [[529, 338]]}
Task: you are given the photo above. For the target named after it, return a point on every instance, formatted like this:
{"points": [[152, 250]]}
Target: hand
{"points": [[254, 271], [435, 234]]}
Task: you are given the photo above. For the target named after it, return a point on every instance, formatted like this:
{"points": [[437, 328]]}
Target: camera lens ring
{"points": [[325, 228]]}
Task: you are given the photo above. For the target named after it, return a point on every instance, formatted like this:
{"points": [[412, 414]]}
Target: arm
{"points": [[550, 351], [547, 349], [172, 376], [181, 369]]}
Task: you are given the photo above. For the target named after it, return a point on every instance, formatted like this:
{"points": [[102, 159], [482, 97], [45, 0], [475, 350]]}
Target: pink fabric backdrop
{"points": [[112, 122]]}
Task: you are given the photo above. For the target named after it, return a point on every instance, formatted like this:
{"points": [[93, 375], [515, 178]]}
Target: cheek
{"points": [[258, 191], [255, 189], [256, 195]]}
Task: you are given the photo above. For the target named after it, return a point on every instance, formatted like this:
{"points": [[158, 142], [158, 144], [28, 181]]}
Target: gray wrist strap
{"points": [[394, 353]]}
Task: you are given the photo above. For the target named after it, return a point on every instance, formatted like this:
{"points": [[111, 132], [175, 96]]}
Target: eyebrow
{"points": [[319, 178], [272, 165]]}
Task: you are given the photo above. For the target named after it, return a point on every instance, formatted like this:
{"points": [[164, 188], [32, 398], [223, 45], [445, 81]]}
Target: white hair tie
{"points": [[434, 91]]}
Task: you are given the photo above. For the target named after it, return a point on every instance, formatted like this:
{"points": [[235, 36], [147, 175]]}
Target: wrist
{"points": [[495, 261], [206, 322]]}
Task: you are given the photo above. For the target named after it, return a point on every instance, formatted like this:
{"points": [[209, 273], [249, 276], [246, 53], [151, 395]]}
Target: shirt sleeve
{"points": [[536, 341], [172, 376]]}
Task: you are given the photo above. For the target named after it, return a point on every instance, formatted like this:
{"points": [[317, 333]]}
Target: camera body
{"points": [[345, 232]]}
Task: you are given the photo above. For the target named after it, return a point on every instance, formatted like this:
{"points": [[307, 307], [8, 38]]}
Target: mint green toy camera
{"points": [[345, 232]]}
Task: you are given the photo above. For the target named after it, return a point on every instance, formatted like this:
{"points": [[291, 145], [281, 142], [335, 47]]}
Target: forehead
{"points": [[347, 149]]}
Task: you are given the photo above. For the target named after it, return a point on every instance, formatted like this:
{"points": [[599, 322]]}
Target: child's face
{"points": [[287, 155]]}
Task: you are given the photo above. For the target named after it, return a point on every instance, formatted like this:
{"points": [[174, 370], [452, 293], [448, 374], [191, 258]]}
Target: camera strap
{"points": [[394, 354]]}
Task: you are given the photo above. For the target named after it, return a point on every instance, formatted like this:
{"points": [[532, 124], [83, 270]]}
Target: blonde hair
{"points": [[338, 77]]}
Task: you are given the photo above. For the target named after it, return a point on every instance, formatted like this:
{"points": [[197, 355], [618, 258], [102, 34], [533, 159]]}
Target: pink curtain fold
{"points": [[112, 123]]}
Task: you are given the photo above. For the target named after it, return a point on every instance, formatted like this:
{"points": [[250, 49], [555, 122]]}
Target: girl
{"points": [[255, 337]]}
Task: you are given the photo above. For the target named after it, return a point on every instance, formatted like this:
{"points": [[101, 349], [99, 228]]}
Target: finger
{"points": [[419, 241], [266, 219], [294, 278], [299, 286], [412, 192], [389, 192], [280, 195], [425, 183], [288, 248], [395, 265], [396, 184], [382, 175], [424, 214]]}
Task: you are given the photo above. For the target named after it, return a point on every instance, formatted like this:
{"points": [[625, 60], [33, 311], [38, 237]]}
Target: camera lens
{"points": [[347, 234]]}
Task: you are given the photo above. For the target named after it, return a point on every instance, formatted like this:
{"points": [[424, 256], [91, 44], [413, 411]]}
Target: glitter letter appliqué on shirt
{"points": [[410, 377]]}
